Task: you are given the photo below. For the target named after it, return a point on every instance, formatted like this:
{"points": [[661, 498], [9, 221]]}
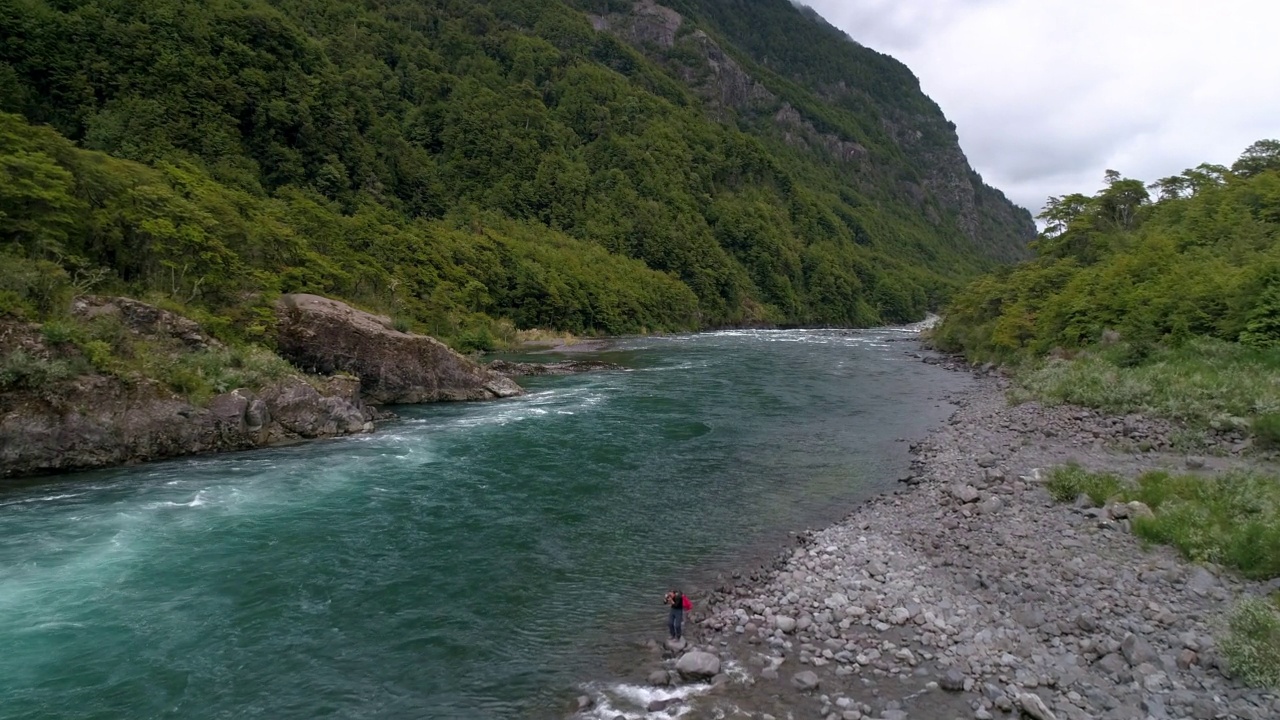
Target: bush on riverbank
{"points": [[1204, 383], [1252, 645], [1233, 519]]}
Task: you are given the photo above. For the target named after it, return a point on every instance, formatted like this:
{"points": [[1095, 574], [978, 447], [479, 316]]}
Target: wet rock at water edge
{"points": [[563, 367], [660, 705], [698, 665]]}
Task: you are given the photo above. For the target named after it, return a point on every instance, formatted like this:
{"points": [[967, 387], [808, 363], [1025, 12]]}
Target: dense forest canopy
{"points": [[463, 164], [1191, 255]]}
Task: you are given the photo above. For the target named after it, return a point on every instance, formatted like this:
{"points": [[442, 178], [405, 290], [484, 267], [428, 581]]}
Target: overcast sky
{"points": [[1047, 94]]}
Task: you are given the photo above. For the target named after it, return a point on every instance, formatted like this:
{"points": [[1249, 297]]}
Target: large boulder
{"points": [[327, 337], [698, 665]]}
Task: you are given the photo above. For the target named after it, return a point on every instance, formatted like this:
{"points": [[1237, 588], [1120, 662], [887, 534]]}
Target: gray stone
{"points": [[1137, 650], [1033, 707], [1115, 667], [805, 680], [953, 681], [965, 493], [698, 665], [785, 624], [659, 678], [660, 705], [1028, 616], [1201, 581]]}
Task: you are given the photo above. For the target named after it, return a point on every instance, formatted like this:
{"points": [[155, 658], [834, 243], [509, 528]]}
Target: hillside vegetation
{"points": [[475, 167], [1167, 302]]}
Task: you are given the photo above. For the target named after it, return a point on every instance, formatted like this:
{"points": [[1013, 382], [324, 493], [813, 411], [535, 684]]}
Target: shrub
{"points": [[98, 353], [200, 375], [58, 332], [32, 289], [474, 340], [22, 370], [1233, 520], [1068, 482], [1252, 645], [1266, 430]]}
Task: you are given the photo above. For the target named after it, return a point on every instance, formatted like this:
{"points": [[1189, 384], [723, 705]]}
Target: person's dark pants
{"points": [[675, 623]]}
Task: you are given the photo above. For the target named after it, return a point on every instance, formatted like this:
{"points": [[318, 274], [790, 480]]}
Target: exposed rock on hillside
{"points": [[939, 181], [144, 320], [326, 336]]}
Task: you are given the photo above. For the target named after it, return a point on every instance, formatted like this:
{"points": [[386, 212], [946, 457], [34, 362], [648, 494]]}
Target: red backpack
{"points": [[688, 604]]}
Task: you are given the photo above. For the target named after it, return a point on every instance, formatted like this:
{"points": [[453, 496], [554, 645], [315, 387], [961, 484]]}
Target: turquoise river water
{"points": [[465, 561]]}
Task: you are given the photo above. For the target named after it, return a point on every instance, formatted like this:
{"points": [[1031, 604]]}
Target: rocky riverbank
{"points": [[969, 593], [70, 400]]}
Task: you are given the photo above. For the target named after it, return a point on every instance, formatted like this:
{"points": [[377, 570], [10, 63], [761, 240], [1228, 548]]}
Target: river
{"points": [[466, 561]]}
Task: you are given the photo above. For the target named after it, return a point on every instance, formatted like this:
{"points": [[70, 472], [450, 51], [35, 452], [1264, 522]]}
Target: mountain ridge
{"points": [[487, 143]]}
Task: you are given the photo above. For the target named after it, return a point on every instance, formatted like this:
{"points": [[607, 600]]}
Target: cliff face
{"points": [[785, 71]]}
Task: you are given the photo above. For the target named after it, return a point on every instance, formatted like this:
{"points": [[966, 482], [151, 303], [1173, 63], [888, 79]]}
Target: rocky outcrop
{"points": [[60, 421], [325, 336], [144, 320], [100, 420]]}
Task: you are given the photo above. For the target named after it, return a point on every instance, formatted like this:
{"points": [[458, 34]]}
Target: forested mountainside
{"points": [[466, 166]]}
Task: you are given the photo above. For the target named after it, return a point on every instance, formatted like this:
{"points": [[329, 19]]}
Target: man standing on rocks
{"points": [[679, 603]]}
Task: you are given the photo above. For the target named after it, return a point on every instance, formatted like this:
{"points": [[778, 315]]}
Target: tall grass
{"points": [[1070, 481], [1202, 383], [1252, 645], [1232, 520]]}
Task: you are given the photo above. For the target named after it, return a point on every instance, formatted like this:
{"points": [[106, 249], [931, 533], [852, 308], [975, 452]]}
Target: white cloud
{"points": [[1047, 94]]}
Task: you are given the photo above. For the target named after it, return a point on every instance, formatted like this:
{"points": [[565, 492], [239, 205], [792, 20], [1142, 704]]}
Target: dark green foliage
{"points": [[1202, 260], [1266, 430], [460, 163], [19, 370]]}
